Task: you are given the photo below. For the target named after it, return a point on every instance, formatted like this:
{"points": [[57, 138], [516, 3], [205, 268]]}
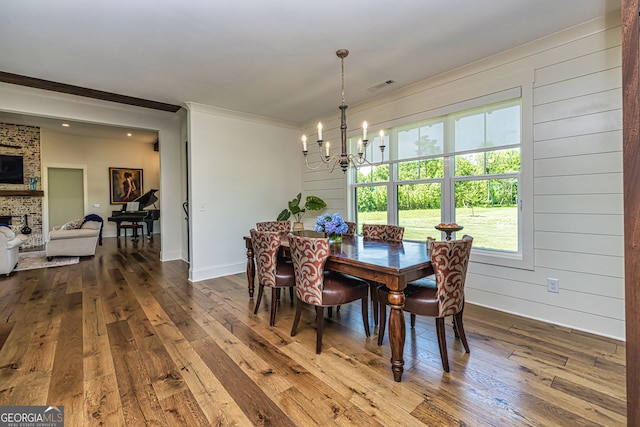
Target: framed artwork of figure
{"points": [[125, 185]]}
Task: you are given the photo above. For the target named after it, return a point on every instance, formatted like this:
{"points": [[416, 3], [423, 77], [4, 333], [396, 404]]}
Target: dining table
{"points": [[391, 264]]}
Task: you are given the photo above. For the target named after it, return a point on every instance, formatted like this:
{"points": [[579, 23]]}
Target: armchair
{"points": [[9, 247], [386, 232], [320, 288], [274, 226], [444, 297], [272, 272]]}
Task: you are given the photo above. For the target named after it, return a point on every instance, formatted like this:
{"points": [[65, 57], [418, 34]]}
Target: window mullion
{"points": [[392, 194], [448, 200]]}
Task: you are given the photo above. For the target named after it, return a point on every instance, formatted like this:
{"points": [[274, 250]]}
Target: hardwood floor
{"points": [[122, 339]]}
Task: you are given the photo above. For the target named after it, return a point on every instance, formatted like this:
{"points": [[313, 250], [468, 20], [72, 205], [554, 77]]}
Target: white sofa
{"points": [[9, 248], [74, 242]]}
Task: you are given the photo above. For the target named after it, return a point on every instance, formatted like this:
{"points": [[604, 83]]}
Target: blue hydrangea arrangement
{"points": [[331, 224]]}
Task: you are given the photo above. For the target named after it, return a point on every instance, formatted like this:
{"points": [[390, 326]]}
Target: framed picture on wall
{"points": [[125, 185]]}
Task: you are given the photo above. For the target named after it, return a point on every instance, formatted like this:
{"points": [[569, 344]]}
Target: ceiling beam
{"points": [[21, 80]]}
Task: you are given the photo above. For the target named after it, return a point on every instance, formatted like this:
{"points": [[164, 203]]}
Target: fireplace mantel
{"points": [[29, 193]]}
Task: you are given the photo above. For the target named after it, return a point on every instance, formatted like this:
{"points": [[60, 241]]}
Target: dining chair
{"points": [[386, 232], [440, 298], [274, 226], [321, 288], [352, 228], [351, 231], [272, 272]]}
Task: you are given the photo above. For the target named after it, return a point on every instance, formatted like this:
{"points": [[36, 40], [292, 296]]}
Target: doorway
{"points": [[65, 189]]}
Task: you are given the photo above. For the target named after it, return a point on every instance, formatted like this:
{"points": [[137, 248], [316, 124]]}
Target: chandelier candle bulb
{"points": [[381, 139], [364, 130], [304, 142], [360, 147], [327, 148], [319, 131]]}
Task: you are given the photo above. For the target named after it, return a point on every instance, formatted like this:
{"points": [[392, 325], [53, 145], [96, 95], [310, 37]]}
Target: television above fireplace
{"points": [[11, 169]]}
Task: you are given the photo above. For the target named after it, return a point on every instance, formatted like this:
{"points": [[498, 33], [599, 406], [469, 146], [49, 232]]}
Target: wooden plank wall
{"points": [[574, 118]]}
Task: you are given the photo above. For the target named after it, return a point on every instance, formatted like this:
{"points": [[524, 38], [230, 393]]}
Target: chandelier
{"points": [[343, 159]]}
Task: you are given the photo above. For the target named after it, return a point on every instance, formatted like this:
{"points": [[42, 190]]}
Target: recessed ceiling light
{"points": [[66, 125]]}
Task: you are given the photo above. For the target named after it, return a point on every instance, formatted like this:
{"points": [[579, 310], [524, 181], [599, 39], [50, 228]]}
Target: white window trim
{"points": [[515, 83]]}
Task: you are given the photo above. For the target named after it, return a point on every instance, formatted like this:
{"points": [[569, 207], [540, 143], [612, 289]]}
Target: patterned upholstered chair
{"points": [[445, 297], [389, 233], [353, 228], [321, 288], [271, 272], [274, 226]]}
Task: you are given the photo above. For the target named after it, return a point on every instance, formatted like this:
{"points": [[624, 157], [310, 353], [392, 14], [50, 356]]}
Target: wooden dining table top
{"points": [[377, 260]]}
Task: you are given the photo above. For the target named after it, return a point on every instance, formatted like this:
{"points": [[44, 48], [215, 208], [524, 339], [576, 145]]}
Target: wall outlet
{"points": [[553, 285]]}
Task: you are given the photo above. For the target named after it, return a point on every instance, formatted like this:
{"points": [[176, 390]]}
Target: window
{"points": [[463, 167]]}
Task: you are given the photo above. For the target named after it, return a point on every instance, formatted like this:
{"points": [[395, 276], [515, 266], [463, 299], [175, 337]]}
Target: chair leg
{"points": [[373, 290], [457, 319], [442, 343], [274, 302], [330, 312], [365, 315], [296, 319], [453, 322], [383, 322], [319, 328], [259, 299], [277, 293], [413, 320], [291, 293]]}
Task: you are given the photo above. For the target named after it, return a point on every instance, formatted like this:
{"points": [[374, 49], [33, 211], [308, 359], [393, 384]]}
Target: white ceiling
{"points": [[270, 58]]}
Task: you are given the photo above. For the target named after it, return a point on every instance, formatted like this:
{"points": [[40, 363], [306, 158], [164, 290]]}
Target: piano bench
{"points": [[134, 230]]}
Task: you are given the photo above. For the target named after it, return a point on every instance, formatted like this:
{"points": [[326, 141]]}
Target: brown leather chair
{"points": [[440, 298], [274, 226], [386, 232], [272, 272], [352, 229], [389, 233], [321, 288], [350, 233]]}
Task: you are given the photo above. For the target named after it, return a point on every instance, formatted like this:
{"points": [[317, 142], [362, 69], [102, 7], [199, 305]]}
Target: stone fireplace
{"points": [[16, 200]]}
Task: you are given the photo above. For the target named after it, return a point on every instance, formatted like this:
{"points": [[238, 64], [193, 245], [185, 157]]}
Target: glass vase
{"points": [[335, 238]]}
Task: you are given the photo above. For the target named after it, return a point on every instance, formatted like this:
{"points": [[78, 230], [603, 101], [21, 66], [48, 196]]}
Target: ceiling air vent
{"points": [[380, 85]]}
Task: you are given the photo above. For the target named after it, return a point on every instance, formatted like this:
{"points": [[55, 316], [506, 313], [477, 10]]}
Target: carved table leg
{"points": [[397, 330], [251, 269]]}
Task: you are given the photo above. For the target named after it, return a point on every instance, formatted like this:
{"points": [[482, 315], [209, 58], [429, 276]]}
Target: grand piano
{"points": [[141, 215]]}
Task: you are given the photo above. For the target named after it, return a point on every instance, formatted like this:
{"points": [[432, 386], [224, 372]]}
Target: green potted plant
{"points": [[312, 203]]}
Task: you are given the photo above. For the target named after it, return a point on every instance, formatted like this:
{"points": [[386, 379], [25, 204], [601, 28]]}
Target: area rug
{"points": [[38, 259]]}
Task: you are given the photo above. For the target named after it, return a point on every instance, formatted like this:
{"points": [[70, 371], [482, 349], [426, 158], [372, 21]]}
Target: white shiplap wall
{"points": [[575, 131]]}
